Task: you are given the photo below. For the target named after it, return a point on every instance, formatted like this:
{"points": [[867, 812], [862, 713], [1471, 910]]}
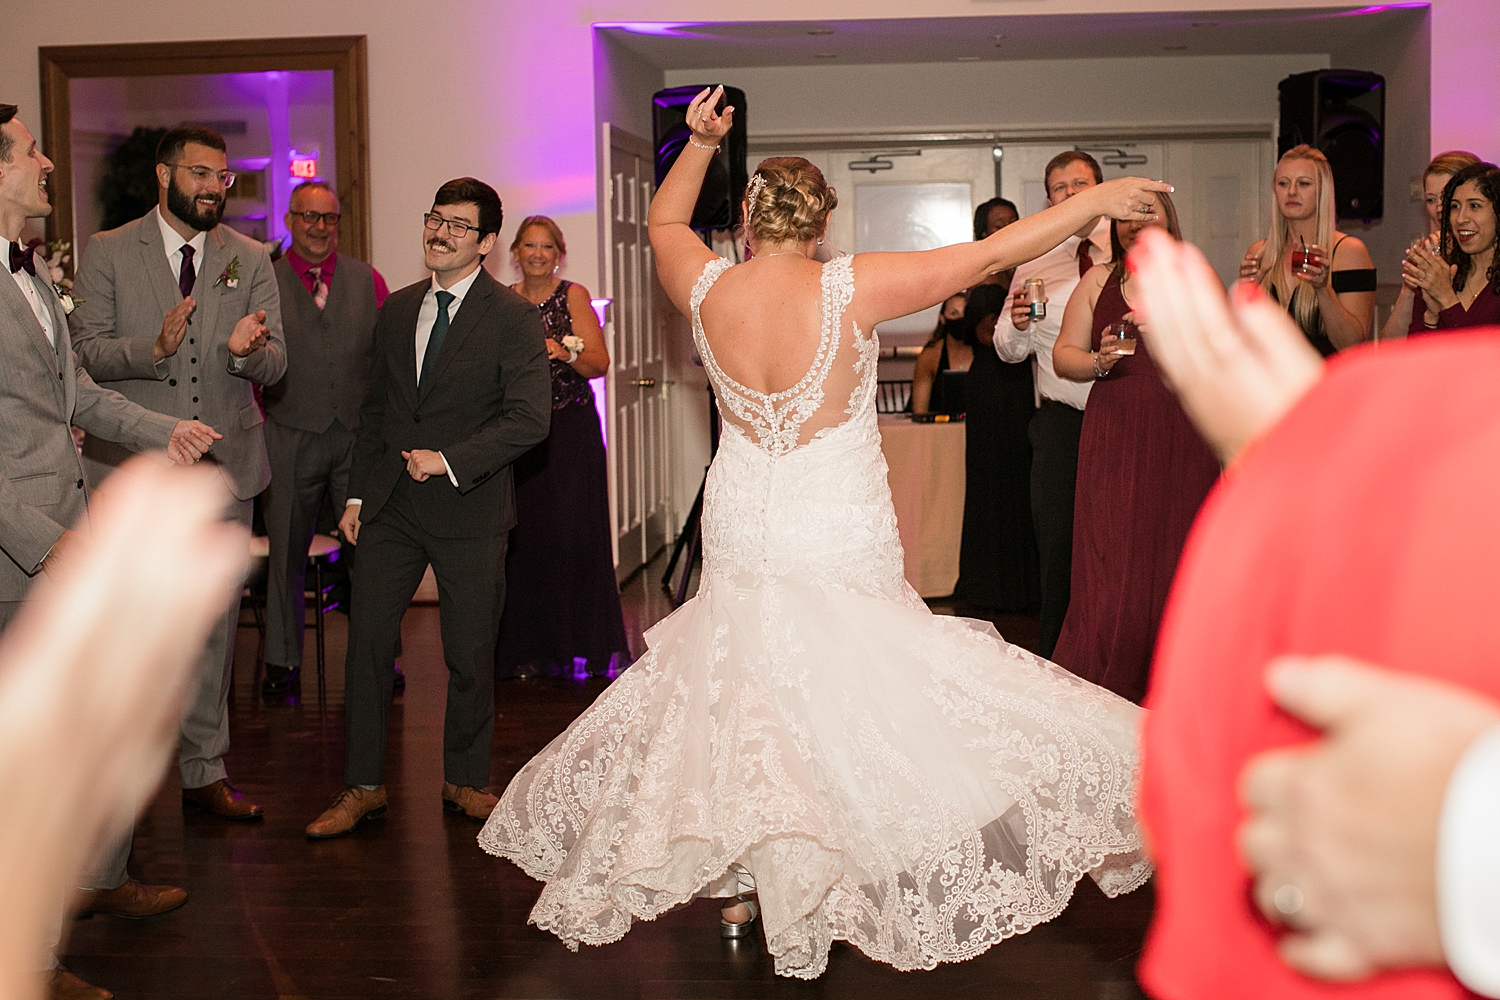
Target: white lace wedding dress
{"points": [[906, 782]]}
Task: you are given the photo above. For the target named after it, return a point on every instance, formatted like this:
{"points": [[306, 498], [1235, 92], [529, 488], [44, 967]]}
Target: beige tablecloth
{"points": [[927, 486]]}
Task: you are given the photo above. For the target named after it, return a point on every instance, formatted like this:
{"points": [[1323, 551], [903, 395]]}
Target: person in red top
{"points": [[1460, 283], [329, 303], [1335, 530]]}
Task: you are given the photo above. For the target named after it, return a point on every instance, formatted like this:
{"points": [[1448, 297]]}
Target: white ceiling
{"points": [[688, 45]]}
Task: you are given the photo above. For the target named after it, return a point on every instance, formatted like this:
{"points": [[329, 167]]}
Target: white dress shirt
{"points": [[1057, 267], [34, 298], [426, 318], [1468, 867]]}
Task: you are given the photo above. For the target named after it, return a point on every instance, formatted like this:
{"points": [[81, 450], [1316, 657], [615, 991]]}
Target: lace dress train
{"points": [[906, 782]]}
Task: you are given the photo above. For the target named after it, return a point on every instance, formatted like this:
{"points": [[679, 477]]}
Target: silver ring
{"points": [[1288, 900]]}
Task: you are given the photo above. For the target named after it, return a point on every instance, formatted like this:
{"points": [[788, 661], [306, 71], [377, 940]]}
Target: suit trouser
{"points": [[1054, 435], [394, 552], [104, 869], [304, 465]]}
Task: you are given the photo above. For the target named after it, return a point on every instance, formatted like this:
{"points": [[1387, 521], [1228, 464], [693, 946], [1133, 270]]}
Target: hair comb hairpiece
{"points": [[757, 184]]}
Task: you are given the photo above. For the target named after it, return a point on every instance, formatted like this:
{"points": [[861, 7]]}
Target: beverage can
{"points": [[1036, 291]]}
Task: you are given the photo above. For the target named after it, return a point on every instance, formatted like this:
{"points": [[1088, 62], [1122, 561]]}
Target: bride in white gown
{"points": [[906, 782]]}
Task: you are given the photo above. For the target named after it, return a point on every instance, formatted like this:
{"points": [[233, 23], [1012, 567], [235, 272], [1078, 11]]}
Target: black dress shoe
{"points": [[400, 683], [279, 679]]}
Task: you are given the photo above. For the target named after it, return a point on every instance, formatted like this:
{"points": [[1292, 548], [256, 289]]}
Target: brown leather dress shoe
{"points": [[475, 803], [221, 799], [132, 899], [352, 807], [63, 985]]}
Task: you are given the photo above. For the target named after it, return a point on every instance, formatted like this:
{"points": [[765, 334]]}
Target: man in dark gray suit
{"points": [[181, 314], [43, 485], [460, 389], [328, 307]]}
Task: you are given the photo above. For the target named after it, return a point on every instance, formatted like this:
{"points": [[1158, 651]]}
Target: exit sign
{"points": [[305, 167]]}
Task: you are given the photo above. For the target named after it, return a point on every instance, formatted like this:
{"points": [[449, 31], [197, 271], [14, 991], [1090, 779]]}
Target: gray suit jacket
{"points": [[43, 488], [127, 286]]}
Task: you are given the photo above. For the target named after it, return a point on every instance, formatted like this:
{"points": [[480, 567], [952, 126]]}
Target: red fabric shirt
{"points": [[302, 267], [1362, 524]]}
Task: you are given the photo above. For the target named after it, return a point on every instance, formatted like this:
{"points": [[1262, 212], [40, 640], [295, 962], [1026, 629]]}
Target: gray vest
{"points": [[328, 353]]}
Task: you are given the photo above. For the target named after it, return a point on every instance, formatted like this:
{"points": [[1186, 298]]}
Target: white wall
{"points": [[1020, 94]]}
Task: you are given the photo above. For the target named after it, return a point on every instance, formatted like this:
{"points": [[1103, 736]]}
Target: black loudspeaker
{"points": [[1342, 113], [724, 185]]}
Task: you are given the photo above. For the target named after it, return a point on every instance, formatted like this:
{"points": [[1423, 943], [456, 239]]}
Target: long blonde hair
{"points": [[1299, 297]]}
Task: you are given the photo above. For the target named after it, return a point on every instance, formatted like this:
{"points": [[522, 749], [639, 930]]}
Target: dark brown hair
{"points": [[1486, 177], [169, 150], [1068, 156], [468, 190], [7, 112], [1165, 209]]}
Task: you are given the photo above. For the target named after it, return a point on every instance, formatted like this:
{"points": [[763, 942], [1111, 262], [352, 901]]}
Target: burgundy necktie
{"points": [[1084, 260], [20, 258], [186, 277], [320, 287]]}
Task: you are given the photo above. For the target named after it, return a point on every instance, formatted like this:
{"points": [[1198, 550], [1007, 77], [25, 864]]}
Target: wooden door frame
{"points": [[343, 54]]}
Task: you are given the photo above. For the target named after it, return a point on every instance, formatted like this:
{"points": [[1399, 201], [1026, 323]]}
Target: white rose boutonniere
{"points": [[230, 276], [57, 257], [573, 344]]}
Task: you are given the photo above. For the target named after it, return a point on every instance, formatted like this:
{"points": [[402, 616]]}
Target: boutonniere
{"points": [[57, 257], [230, 276]]}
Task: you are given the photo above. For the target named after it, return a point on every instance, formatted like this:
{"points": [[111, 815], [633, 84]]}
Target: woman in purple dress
{"points": [[562, 603], [1143, 472]]}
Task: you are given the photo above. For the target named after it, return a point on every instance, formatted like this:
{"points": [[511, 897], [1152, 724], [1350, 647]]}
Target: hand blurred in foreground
{"points": [[1342, 834], [1237, 370], [93, 674]]}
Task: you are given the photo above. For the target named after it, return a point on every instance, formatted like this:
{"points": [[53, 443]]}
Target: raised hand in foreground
{"points": [[1341, 834], [1237, 369], [93, 674]]}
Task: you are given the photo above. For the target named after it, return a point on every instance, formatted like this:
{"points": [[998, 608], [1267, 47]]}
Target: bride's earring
{"points": [[820, 243]]}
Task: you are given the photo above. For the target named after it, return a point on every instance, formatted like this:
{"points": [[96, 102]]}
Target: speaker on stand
{"points": [[718, 208], [1342, 113]]}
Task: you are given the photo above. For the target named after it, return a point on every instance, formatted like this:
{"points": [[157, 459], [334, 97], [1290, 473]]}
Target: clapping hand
{"points": [[1237, 371], [709, 126], [173, 329], [250, 335], [1429, 273], [1341, 834]]}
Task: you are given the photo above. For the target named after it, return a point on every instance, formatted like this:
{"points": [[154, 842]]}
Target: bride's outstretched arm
{"points": [[895, 284], [680, 254]]}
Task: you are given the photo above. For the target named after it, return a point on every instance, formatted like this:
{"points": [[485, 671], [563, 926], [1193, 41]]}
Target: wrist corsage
{"points": [[573, 344]]}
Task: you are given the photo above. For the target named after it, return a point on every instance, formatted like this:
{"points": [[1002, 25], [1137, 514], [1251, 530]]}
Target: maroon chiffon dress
{"points": [[1143, 472]]}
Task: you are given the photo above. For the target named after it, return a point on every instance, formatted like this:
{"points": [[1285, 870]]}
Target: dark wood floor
{"points": [[408, 906]]}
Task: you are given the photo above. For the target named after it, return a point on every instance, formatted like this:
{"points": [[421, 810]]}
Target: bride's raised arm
{"points": [[895, 284], [680, 254]]}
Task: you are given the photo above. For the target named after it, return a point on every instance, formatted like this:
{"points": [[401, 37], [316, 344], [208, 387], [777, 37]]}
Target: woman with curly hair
{"points": [[1460, 283]]}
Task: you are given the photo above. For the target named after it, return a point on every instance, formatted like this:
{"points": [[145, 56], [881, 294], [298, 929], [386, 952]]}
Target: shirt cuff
{"points": [[1468, 867], [451, 477], [237, 364], [354, 503]]}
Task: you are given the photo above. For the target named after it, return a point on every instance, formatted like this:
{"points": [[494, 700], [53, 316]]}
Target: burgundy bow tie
{"points": [[20, 257]]}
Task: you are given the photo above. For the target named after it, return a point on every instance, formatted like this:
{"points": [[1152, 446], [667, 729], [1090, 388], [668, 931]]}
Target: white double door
{"points": [[635, 387]]}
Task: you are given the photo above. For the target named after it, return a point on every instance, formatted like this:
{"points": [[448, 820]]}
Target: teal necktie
{"points": [[435, 342]]}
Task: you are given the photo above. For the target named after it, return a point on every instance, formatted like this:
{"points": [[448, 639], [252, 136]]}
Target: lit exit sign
{"points": [[305, 167]]}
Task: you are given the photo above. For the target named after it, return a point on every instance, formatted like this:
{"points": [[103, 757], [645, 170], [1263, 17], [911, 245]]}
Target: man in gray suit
{"points": [[181, 314], [43, 486], [328, 307]]}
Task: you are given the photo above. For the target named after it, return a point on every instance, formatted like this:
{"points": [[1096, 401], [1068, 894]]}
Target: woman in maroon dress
{"points": [[562, 604], [1143, 471], [1462, 286]]}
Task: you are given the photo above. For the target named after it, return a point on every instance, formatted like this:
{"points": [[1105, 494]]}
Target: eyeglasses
{"points": [[311, 218], [203, 175], [458, 230]]}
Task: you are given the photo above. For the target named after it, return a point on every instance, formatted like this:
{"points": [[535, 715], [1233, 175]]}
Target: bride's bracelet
{"points": [[714, 148]]}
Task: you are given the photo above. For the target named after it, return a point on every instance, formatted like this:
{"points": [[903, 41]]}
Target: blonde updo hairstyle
{"points": [[787, 201]]}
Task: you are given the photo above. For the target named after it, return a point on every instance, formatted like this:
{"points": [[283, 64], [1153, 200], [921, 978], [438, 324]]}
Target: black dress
{"points": [[561, 599], [1354, 279], [998, 563], [947, 386]]}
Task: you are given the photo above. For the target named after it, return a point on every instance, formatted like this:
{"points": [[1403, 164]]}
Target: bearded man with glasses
{"points": [[180, 314], [461, 388]]}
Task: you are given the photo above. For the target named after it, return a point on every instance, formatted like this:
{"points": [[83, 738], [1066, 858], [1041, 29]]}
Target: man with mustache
{"points": [[460, 389], [181, 314]]}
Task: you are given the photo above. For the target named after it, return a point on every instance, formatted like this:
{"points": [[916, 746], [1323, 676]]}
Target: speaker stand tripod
{"points": [[690, 541]]}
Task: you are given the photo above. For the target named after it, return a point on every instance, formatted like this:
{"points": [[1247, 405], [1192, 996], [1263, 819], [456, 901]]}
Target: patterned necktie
{"points": [[20, 259], [1084, 260], [186, 277], [320, 287], [435, 341]]}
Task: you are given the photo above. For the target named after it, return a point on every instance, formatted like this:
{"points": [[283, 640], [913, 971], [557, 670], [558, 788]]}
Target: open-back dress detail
{"points": [[906, 782]]}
